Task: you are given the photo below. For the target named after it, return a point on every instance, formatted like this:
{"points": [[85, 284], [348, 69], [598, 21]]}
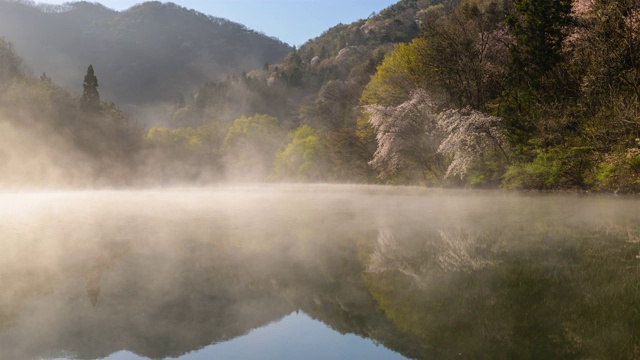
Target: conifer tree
{"points": [[539, 28], [90, 100]]}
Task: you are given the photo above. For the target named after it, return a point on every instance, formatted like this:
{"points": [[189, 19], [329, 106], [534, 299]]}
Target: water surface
{"points": [[326, 271]]}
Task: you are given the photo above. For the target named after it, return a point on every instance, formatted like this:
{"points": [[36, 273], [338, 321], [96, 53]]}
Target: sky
{"points": [[292, 21]]}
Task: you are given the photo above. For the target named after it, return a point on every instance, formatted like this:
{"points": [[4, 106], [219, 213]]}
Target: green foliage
{"points": [[10, 64], [293, 69], [544, 172], [553, 168], [563, 81], [250, 147], [303, 159], [619, 171], [181, 137], [540, 28], [245, 128], [90, 99], [183, 154], [567, 94], [540, 86], [70, 145], [349, 154], [401, 72]]}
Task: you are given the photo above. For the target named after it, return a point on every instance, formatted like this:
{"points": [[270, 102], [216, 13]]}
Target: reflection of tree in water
{"points": [[427, 289], [181, 286], [93, 286], [35, 270], [450, 250], [552, 293]]}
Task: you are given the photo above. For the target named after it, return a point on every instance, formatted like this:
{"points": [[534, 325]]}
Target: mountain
{"points": [[150, 53], [318, 84]]}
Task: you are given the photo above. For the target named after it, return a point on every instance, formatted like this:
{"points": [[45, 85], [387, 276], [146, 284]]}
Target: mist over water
{"points": [[424, 273]]}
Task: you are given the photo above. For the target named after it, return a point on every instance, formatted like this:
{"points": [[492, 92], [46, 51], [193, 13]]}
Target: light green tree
{"points": [[250, 147], [304, 158]]}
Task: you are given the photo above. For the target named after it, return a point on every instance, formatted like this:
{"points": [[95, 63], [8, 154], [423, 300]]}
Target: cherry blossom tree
{"points": [[469, 135], [408, 139]]}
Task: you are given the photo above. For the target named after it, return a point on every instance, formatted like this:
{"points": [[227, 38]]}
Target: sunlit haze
{"points": [[292, 21], [319, 179]]}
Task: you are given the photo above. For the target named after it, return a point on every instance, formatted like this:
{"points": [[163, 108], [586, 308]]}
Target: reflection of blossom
{"points": [[632, 234], [451, 251], [388, 256], [460, 253]]}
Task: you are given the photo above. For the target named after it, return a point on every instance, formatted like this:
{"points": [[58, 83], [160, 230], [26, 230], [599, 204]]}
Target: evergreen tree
{"points": [[90, 100], [539, 28]]}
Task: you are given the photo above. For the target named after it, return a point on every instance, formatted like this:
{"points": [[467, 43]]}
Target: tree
{"points": [[471, 136], [334, 107], [304, 158], [539, 28], [250, 147], [11, 66], [539, 86], [408, 140], [608, 55], [398, 76], [90, 100], [466, 52]]}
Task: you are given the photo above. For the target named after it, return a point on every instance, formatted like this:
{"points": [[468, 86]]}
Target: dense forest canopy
{"points": [[482, 93]]}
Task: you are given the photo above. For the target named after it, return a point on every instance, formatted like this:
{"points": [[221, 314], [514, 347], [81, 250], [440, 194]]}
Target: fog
{"points": [[146, 55], [161, 273], [49, 140], [164, 231], [30, 162]]}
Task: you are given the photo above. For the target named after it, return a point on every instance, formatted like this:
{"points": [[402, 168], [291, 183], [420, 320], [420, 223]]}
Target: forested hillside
{"points": [[486, 93], [147, 54], [470, 93], [49, 137], [314, 96]]}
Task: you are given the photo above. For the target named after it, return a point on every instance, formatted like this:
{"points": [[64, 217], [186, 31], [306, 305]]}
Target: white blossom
{"points": [[469, 133], [407, 136]]}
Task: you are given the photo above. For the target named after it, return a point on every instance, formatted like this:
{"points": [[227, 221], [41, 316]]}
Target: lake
{"points": [[318, 272]]}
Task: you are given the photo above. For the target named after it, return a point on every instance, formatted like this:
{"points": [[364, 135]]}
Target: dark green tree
{"points": [[537, 78], [11, 66], [539, 28], [90, 100], [323, 53]]}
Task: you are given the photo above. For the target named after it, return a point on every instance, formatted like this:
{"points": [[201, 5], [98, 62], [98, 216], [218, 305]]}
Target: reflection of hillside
{"points": [[182, 283], [559, 294], [106, 281], [331, 289], [120, 277], [154, 303], [32, 267]]}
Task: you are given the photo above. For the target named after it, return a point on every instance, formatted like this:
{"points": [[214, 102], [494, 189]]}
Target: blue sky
{"points": [[292, 21], [296, 336]]}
